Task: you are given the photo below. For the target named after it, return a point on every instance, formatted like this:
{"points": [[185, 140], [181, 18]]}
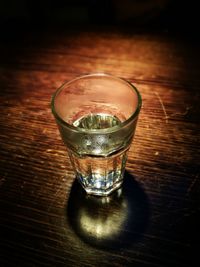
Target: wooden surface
{"points": [[45, 217]]}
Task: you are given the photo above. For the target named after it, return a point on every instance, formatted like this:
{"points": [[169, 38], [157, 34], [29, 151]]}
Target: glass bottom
{"points": [[96, 184], [100, 175]]}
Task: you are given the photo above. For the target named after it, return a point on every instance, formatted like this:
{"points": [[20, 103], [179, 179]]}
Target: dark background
{"points": [[179, 17]]}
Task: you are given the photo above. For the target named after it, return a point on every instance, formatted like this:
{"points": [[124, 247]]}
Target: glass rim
{"points": [[96, 131]]}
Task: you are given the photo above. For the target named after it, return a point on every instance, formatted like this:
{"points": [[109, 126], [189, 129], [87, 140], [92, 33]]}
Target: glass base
{"points": [[100, 175], [101, 186]]}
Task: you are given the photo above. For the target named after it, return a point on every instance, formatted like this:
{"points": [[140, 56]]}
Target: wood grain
{"points": [[153, 221]]}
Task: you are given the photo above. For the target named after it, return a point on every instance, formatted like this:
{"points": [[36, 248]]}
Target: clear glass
{"points": [[97, 115]]}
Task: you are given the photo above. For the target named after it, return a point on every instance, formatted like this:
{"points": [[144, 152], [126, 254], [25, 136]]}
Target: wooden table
{"points": [[45, 217]]}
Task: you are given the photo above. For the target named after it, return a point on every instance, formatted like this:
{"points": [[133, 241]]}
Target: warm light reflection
{"points": [[101, 228], [105, 225]]}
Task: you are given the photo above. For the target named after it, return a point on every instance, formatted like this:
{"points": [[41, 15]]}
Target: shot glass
{"points": [[97, 115]]}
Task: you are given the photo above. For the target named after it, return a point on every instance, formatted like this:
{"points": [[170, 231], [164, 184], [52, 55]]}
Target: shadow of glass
{"points": [[112, 222]]}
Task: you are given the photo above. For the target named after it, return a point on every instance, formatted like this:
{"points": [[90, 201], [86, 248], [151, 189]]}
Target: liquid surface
{"points": [[97, 121], [98, 144]]}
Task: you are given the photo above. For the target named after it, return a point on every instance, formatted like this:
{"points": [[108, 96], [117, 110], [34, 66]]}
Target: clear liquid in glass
{"points": [[99, 168]]}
